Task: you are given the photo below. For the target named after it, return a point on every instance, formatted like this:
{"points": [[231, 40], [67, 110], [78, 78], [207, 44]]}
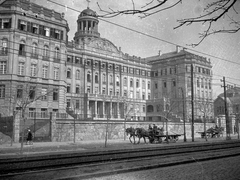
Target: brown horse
{"points": [[132, 132]]}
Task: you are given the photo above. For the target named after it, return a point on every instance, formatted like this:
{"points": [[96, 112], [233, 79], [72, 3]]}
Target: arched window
{"points": [[149, 108], [45, 51], [96, 77], [34, 50], [117, 81], [57, 53], [104, 78], [125, 81], [69, 73], [111, 78], [78, 74], [88, 76], [131, 82], [137, 83]]}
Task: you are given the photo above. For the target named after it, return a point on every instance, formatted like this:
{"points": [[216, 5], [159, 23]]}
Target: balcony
{"points": [[22, 53], [34, 55], [4, 52]]}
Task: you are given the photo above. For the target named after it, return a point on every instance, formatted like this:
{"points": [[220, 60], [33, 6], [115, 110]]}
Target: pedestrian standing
{"points": [[29, 137]]}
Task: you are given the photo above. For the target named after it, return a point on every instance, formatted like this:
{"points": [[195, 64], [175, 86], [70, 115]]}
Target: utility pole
{"points": [[226, 111], [184, 118], [192, 92]]}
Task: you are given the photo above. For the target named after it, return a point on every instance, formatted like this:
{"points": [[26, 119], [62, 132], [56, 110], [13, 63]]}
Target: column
{"points": [[111, 109], [91, 26], [87, 25], [82, 28], [103, 107], [96, 113], [118, 110]]}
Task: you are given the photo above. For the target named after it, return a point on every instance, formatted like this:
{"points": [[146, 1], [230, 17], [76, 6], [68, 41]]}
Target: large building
{"points": [[42, 71]]}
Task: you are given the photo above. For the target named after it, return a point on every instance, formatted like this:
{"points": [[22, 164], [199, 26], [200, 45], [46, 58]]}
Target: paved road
{"points": [[223, 169]]}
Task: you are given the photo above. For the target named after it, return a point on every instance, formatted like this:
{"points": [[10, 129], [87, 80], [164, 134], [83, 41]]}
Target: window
{"points": [[45, 71], [69, 59], [32, 92], [46, 31], [5, 23], [156, 85], [33, 70], [3, 67], [77, 89], [131, 94], [35, 28], [117, 81], [57, 34], [57, 53], [198, 84], [125, 81], [78, 74], [110, 92], [137, 83], [209, 85], [125, 93], [56, 73], [149, 85], [88, 76], [111, 79], [20, 91], [68, 103], [55, 94], [22, 51], [21, 68], [131, 82], [131, 70], [34, 50], [88, 89], [206, 84], [22, 25], [4, 50], [117, 93], [165, 84], [103, 90], [68, 88], [125, 69], [69, 73], [2, 91], [202, 82], [77, 104], [45, 52], [173, 82], [96, 77], [104, 78], [44, 94], [143, 73], [143, 95]]}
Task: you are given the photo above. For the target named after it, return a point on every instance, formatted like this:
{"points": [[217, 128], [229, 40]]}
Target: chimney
{"points": [[178, 48], [159, 53]]}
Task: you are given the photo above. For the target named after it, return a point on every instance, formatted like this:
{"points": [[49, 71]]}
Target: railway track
{"points": [[105, 162]]}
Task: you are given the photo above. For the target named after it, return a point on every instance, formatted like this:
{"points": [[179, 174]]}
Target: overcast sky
{"points": [[225, 46]]}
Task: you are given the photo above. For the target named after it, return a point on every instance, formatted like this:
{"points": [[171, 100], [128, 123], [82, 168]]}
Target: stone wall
{"points": [[96, 130]]}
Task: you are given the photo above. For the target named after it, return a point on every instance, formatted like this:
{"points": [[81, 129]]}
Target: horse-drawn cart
{"points": [[212, 132], [160, 138]]}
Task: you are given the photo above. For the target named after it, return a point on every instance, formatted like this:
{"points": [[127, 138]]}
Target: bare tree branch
{"points": [[212, 12]]}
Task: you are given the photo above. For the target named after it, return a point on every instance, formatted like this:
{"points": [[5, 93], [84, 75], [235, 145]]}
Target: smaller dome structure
{"points": [[88, 12]]}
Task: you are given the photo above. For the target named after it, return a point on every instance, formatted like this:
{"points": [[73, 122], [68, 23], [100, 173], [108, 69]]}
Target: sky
{"points": [[226, 47]]}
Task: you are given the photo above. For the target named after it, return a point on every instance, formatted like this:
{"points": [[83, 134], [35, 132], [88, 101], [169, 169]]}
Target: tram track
{"points": [[118, 159]]}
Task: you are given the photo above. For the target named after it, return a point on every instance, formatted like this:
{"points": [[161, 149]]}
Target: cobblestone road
{"points": [[223, 169]]}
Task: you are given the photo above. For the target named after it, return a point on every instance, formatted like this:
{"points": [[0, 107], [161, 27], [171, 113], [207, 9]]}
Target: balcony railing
{"points": [[22, 53]]}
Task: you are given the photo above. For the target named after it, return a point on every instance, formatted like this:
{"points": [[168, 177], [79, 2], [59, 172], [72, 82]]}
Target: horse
{"points": [[132, 132], [142, 133]]}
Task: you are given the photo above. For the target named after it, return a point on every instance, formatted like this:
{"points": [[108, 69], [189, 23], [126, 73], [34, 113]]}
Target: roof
{"points": [[88, 12]]}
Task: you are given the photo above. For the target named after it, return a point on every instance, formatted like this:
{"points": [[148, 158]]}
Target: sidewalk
{"points": [[37, 148]]}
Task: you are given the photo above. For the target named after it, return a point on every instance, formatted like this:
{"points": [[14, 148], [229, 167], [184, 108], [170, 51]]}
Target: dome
{"points": [[88, 12]]}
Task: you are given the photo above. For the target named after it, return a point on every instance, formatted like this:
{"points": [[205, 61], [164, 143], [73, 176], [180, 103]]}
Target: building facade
{"points": [[89, 77]]}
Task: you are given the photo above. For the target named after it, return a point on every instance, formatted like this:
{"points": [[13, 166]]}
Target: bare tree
{"points": [[212, 12], [22, 97], [206, 108]]}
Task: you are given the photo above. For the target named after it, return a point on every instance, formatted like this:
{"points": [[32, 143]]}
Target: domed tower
{"points": [[87, 25]]}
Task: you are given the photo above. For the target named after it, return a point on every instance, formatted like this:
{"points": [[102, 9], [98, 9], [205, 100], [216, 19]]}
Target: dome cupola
{"points": [[87, 25]]}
